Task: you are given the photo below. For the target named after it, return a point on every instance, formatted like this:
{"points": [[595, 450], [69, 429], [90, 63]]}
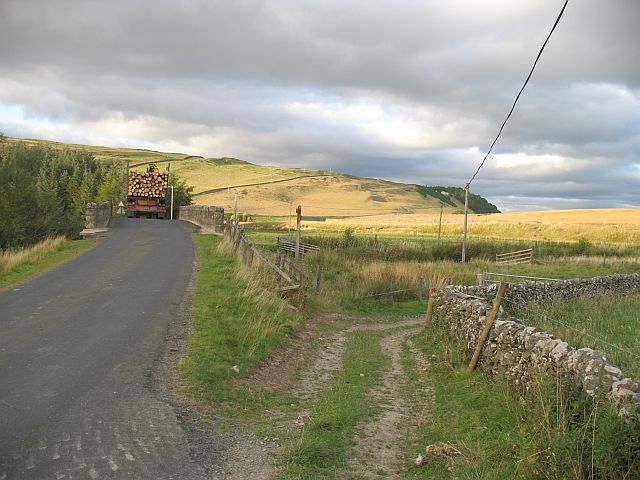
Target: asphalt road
{"points": [[77, 347]]}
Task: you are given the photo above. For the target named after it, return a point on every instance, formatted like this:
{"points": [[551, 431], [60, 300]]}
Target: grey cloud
{"points": [[221, 76]]}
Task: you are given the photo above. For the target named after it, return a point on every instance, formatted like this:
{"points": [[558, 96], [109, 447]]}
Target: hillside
{"points": [[276, 191]]}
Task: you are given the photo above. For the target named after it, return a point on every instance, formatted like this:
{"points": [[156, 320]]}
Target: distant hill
{"points": [[451, 195], [264, 190]]}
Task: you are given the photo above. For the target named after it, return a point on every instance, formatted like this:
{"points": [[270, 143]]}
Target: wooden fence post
{"points": [[237, 238], [427, 318], [487, 327], [240, 249]]}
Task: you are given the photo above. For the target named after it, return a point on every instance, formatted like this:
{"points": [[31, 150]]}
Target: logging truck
{"points": [[146, 193]]}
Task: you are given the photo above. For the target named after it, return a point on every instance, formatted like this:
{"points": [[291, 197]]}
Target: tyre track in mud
{"points": [[379, 441]]}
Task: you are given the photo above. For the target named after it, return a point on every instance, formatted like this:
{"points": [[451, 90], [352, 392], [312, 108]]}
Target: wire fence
{"points": [[530, 312]]}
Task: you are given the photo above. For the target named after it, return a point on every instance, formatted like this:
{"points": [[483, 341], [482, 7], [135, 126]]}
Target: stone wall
{"points": [[205, 216], [515, 351], [527, 292], [98, 215]]}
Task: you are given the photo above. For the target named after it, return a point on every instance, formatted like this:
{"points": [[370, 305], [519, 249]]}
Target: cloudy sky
{"points": [[412, 91]]}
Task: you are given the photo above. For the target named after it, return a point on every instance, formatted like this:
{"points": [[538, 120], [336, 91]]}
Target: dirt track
{"points": [[379, 441]]}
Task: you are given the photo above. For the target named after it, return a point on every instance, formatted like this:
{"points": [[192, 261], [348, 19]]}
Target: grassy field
{"points": [[348, 281], [21, 265], [476, 427], [210, 173], [614, 226], [606, 322], [354, 266]]}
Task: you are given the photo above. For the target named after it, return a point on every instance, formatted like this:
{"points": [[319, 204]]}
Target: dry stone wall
{"points": [[515, 351], [527, 292], [97, 215], [205, 216]]}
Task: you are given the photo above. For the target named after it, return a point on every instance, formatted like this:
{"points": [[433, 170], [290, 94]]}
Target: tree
{"points": [[45, 191], [113, 184], [182, 193]]}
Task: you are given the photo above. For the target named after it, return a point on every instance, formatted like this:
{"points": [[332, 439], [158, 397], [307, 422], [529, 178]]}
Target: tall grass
{"points": [[348, 278], [399, 246], [609, 226], [550, 431], [237, 323], [15, 257], [604, 322]]}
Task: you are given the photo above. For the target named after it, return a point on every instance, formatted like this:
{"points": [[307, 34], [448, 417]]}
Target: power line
{"points": [[466, 187], [520, 92]]}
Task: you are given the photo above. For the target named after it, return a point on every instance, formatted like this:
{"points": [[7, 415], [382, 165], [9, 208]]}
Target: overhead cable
{"points": [[519, 93]]}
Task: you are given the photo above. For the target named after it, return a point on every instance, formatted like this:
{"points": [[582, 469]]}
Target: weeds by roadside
{"points": [[21, 264], [11, 258], [236, 322], [550, 431]]}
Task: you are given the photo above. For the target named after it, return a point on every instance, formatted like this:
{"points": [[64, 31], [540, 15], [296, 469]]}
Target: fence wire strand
{"points": [[520, 307]]}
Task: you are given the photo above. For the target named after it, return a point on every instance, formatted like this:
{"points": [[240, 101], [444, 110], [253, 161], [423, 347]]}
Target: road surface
{"points": [[77, 348]]}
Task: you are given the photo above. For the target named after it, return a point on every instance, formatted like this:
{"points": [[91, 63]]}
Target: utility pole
{"points": [[171, 187], [464, 234], [299, 212], [440, 222]]}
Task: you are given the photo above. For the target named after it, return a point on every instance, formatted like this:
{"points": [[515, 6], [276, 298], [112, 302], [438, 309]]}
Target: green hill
{"points": [[275, 191]]}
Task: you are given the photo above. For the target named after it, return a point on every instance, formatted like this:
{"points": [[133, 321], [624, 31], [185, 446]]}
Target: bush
{"points": [[583, 247]]}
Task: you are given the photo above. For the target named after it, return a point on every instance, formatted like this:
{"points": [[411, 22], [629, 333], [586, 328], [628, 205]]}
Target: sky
{"points": [[409, 91]]}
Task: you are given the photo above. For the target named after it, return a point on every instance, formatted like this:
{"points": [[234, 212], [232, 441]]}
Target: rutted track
{"points": [[379, 441]]}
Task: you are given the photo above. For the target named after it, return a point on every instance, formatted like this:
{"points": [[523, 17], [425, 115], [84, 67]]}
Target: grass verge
{"points": [[236, 325], [321, 450], [481, 427], [17, 266]]}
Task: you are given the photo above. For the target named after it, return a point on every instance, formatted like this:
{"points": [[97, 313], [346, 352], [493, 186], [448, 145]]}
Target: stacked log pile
{"points": [[147, 184]]}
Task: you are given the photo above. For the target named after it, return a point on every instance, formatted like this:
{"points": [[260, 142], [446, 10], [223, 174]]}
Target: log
{"points": [[147, 184]]}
